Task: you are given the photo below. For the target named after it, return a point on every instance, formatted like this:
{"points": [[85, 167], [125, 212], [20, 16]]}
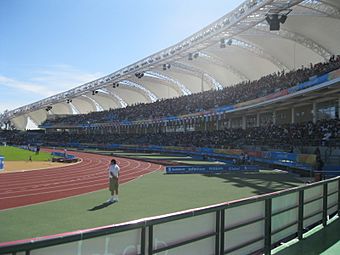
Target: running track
{"points": [[30, 187]]}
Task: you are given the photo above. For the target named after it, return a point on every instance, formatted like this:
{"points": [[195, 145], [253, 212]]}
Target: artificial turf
{"points": [[17, 154], [150, 195], [178, 159]]}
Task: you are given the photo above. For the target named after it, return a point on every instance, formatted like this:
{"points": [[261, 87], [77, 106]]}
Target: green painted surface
{"points": [[158, 156], [320, 240], [150, 195], [16, 154], [198, 162]]}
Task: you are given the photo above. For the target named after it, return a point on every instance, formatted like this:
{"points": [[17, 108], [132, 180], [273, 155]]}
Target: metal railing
{"points": [[247, 226]]}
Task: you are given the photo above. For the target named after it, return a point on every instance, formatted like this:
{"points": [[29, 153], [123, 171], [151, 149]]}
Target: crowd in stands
{"points": [[206, 100], [321, 133]]}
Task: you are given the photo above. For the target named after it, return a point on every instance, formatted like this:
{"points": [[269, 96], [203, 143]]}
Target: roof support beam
{"points": [[183, 89], [140, 88], [300, 39], [197, 72], [259, 52], [115, 97], [97, 105], [213, 59], [322, 8]]}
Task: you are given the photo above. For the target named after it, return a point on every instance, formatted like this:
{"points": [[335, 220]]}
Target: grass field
{"points": [[16, 154], [150, 195], [178, 158]]}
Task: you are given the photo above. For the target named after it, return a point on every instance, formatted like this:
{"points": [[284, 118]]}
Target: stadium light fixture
{"points": [[190, 56], [275, 19], [139, 75], [166, 66], [222, 43], [283, 18]]}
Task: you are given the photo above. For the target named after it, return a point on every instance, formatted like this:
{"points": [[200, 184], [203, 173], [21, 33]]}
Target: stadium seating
{"points": [[199, 102]]}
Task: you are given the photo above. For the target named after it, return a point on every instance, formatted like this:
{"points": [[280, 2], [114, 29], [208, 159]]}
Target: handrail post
{"points": [[142, 242], [324, 204], [222, 231], [339, 197], [217, 235], [300, 214], [150, 247], [268, 227]]}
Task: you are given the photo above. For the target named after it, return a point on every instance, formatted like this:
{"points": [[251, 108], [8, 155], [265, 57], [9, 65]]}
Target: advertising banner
{"points": [[306, 158], [256, 154], [333, 75], [307, 84], [208, 169], [2, 159], [277, 94], [283, 155], [62, 154], [250, 102], [228, 151]]}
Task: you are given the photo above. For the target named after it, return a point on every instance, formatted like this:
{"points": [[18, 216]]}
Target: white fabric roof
{"points": [[311, 34]]}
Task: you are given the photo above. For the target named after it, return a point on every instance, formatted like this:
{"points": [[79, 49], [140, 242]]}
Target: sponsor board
{"points": [[209, 169], [2, 159]]}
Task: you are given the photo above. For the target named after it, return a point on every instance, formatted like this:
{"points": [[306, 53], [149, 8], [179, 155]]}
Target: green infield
{"points": [[16, 154], [148, 156], [199, 162], [187, 160], [151, 195]]}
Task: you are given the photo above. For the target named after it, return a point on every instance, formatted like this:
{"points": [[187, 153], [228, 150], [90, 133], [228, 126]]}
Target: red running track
{"points": [[30, 187]]}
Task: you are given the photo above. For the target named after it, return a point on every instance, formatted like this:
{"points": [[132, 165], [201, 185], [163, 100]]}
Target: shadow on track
{"points": [[101, 206]]}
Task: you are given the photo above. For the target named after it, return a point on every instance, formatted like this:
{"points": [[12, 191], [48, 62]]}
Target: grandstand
{"points": [[261, 81], [237, 48]]}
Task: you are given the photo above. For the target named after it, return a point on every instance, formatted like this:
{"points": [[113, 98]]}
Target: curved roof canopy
{"points": [[239, 46]]}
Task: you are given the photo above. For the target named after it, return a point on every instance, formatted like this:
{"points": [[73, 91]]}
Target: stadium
{"points": [[228, 142]]}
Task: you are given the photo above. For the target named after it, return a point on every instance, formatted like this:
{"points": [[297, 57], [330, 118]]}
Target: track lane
{"points": [[30, 187]]}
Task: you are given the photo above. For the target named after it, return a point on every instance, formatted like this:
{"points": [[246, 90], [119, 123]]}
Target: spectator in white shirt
{"points": [[113, 183]]}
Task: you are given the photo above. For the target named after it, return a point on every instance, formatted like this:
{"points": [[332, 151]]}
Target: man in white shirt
{"points": [[113, 183]]}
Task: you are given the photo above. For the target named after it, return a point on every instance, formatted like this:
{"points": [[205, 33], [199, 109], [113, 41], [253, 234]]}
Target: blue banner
{"points": [[2, 159], [225, 108], [281, 155], [209, 169], [61, 154], [206, 150], [307, 84], [285, 163]]}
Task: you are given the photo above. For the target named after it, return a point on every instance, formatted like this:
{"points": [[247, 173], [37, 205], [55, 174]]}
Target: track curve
{"points": [[30, 187]]}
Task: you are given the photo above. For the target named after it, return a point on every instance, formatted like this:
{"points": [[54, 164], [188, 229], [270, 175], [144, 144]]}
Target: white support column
{"points": [[293, 115], [243, 122], [218, 120], [314, 112]]}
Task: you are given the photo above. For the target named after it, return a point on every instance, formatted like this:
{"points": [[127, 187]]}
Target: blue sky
{"points": [[49, 46]]}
